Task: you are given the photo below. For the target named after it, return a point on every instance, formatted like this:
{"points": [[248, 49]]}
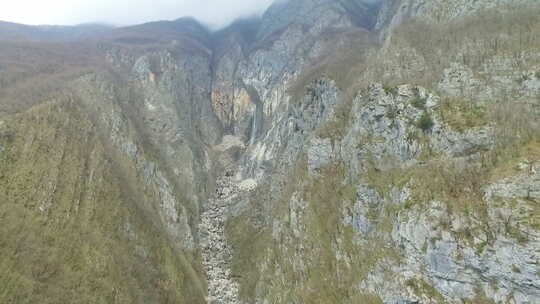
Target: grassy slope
{"points": [[477, 42], [323, 263], [31, 72], [71, 231], [77, 222]]}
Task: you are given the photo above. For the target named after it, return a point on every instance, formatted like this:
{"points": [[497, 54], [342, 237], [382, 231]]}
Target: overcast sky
{"points": [[215, 13]]}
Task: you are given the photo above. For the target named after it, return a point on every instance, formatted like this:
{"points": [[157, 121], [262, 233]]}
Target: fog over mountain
{"points": [[215, 13]]}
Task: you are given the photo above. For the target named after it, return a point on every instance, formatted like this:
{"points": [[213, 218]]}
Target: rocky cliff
{"points": [[329, 152]]}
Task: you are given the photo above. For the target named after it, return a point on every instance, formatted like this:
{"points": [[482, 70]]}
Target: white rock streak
{"points": [[216, 253]]}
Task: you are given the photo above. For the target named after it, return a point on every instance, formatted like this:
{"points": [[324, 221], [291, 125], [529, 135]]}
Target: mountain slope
{"points": [[14, 31], [341, 208], [76, 226], [329, 152], [92, 190]]}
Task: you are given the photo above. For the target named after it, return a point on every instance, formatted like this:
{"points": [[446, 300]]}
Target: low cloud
{"points": [[215, 13]]}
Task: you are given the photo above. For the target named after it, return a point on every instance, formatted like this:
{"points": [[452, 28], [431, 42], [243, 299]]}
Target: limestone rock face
{"points": [[372, 162], [396, 11]]}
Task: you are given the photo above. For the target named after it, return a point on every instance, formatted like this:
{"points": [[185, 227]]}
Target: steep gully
{"points": [[215, 251]]}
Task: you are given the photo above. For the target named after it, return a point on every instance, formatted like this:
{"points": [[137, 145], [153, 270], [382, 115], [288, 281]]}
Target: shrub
{"points": [[393, 112], [522, 79], [425, 122], [390, 90], [336, 128], [419, 103], [443, 43], [461, 114]]}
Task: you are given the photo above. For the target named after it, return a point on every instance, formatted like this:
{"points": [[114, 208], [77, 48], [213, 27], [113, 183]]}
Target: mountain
{"points": [[327, 152], [14, 31]]}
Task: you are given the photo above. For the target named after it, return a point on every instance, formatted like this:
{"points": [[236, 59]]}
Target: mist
{"points": [[213, 13]]}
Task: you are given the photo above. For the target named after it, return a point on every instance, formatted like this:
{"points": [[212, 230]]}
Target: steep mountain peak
{"points": [[185, 33], [247, 27], [281, 14], [190, 23]]}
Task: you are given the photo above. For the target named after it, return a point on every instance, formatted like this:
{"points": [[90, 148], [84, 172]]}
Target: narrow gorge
{"points": [[216, 252]]}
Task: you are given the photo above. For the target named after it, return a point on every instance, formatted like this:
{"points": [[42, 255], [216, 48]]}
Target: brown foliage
{"points": [[31, 72]]}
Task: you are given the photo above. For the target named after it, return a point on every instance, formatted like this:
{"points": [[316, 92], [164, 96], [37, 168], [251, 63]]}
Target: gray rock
{"points": [[319, 154], [366, 209], [458, 80]]}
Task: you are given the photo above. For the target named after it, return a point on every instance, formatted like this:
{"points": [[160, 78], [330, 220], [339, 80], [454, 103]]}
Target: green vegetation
{"points": [[31, 73], [425, 122], [522, 79], [390, 90], [537, 75], [461, 115], [480, 298], [76, 226], [490, 36], [421, 288], [392, 113], [319, 275], [515, 232], [461, 187], [342, 64], [336, 128], [366, 299], [419, 103]]}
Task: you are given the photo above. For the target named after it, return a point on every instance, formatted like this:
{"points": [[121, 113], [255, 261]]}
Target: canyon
{"points": [[329, 151]]}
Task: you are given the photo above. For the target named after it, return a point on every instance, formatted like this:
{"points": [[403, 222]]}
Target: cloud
{"points": [[215, 13]]}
